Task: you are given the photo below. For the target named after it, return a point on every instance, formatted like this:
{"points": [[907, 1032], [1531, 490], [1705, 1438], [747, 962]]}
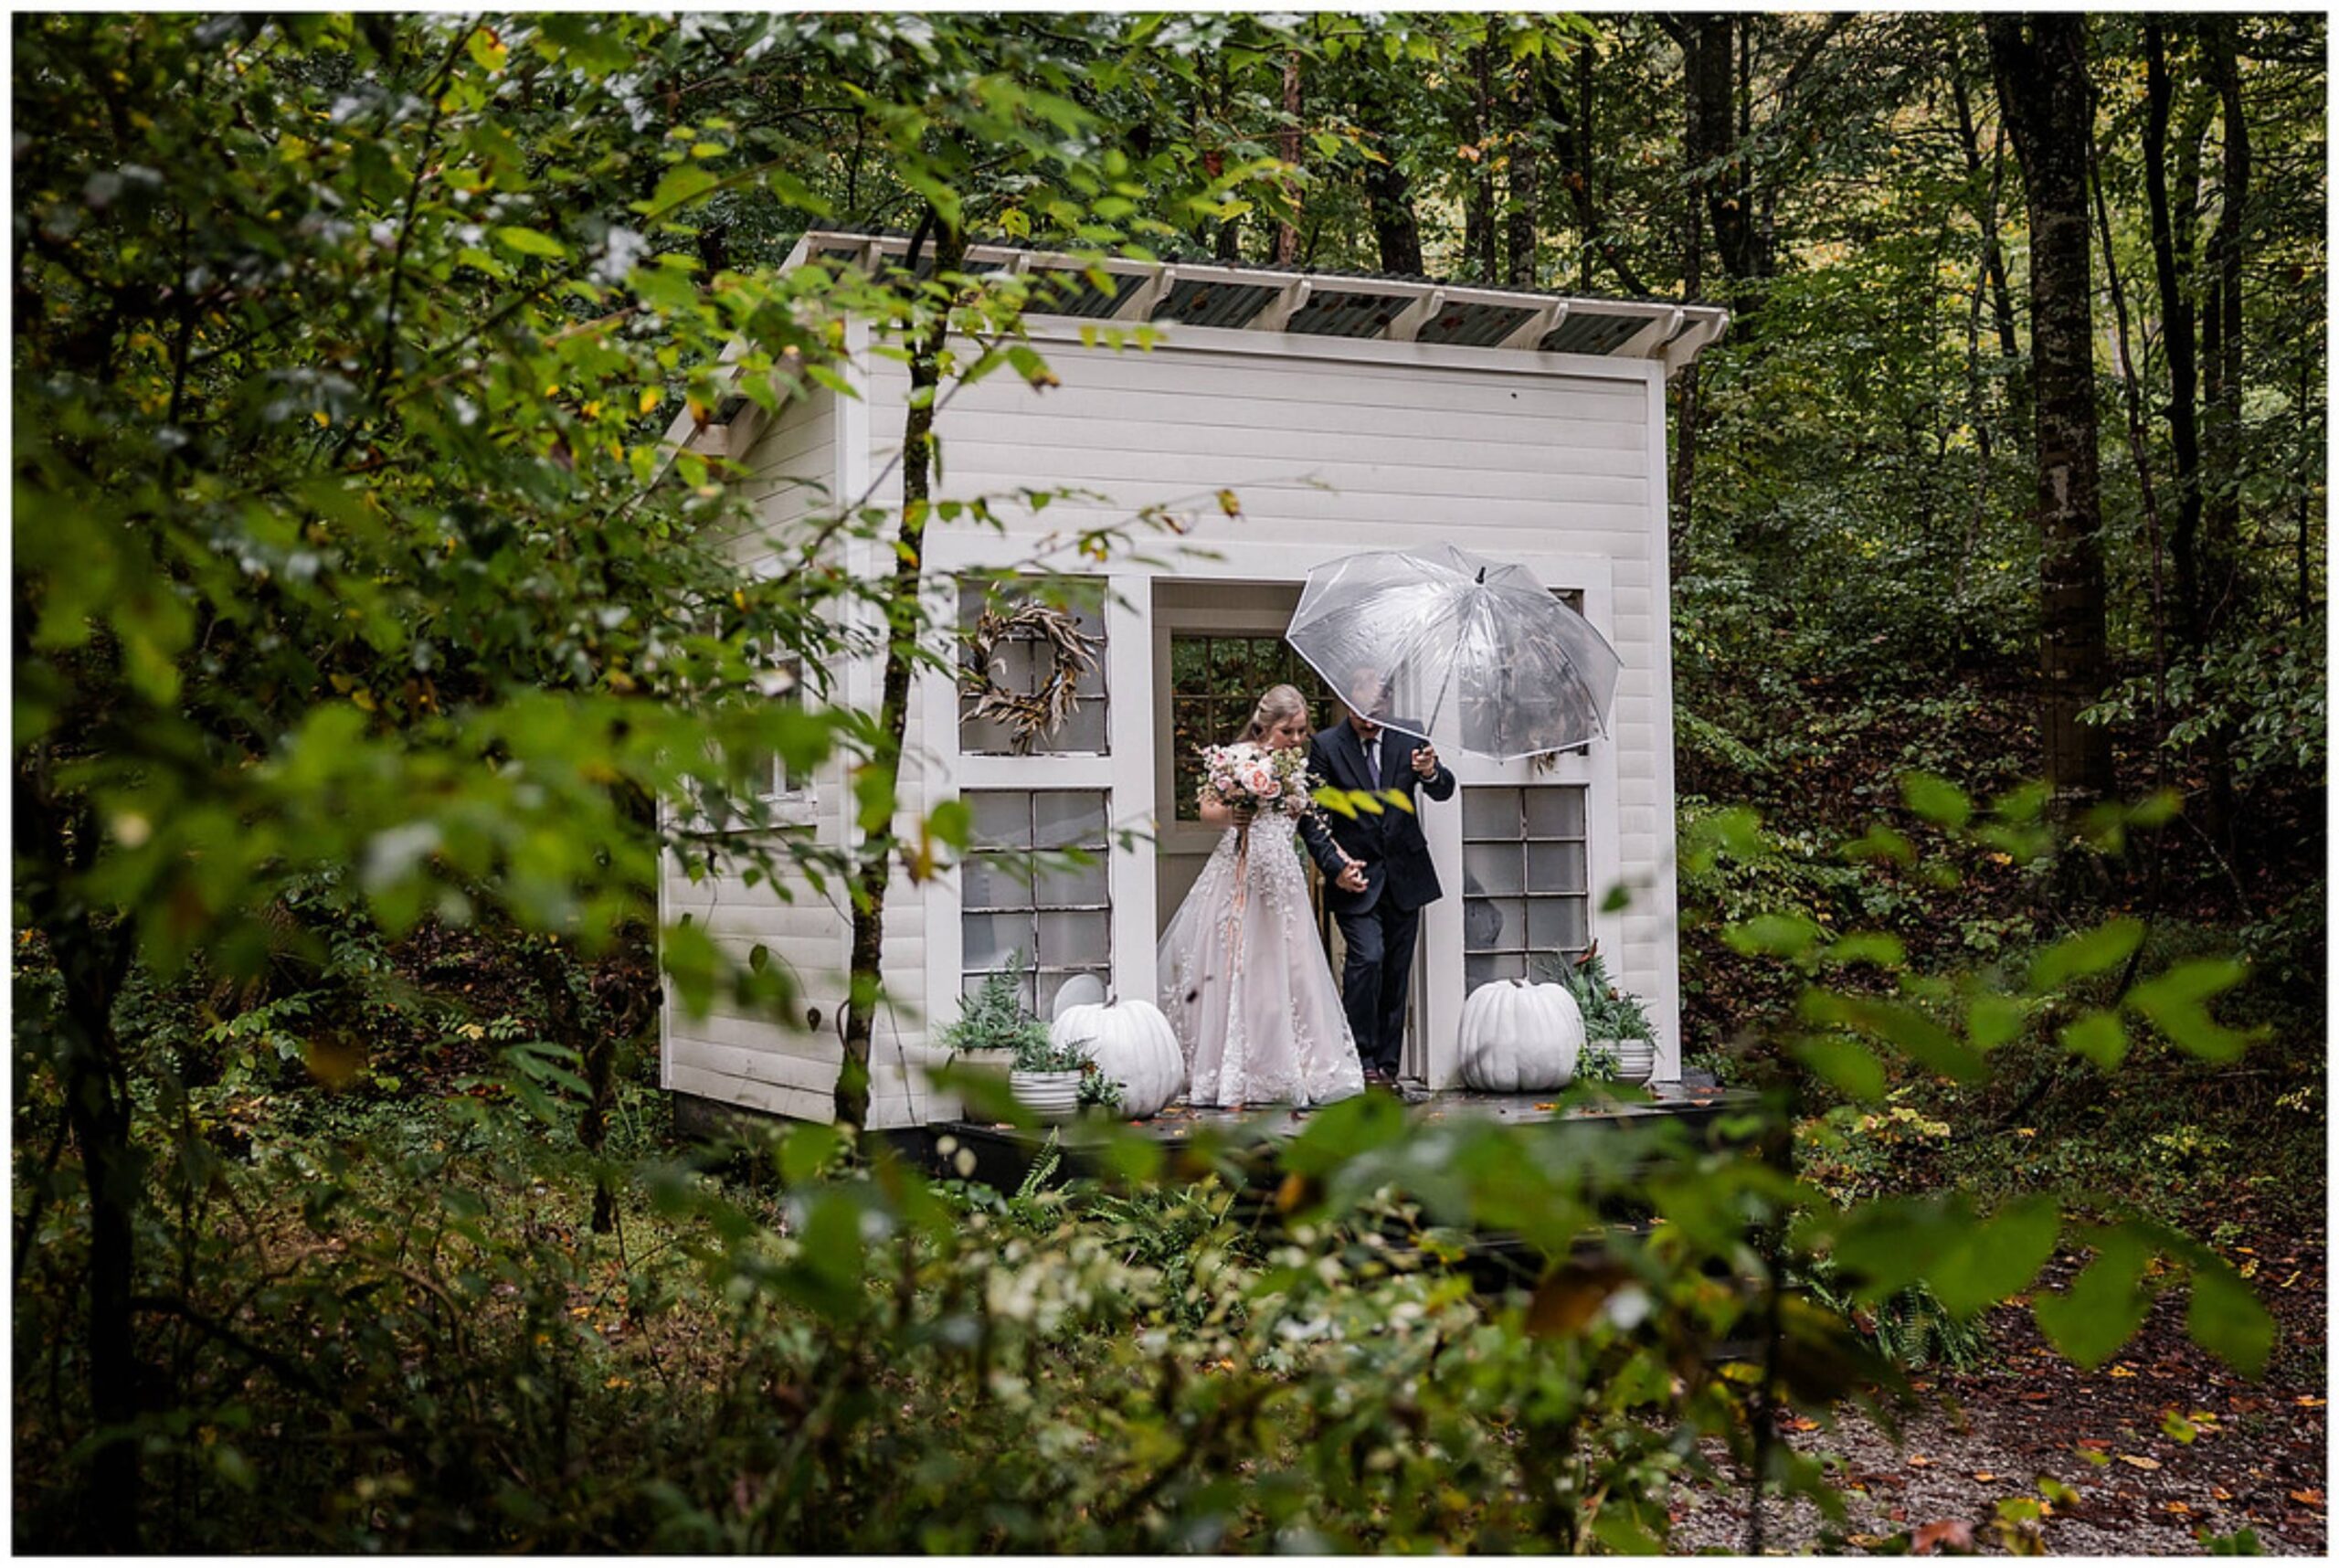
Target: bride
{"points": [[1243, 980]]}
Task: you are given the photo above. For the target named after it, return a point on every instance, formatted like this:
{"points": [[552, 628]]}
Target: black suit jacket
{"points": [[1397, 866]]}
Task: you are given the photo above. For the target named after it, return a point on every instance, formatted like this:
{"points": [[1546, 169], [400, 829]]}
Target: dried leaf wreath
{"points": [[1027, 714]]}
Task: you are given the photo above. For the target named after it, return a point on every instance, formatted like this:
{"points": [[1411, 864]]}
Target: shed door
{"points": [[1217, 645]]}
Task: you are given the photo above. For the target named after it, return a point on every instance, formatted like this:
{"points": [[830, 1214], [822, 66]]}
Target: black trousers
{"points": [[1376, 978]]}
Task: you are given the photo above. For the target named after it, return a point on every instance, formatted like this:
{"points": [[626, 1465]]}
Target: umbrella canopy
{"points": [[1468, 653]]}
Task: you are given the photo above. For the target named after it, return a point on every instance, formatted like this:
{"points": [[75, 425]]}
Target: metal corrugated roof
{"points": [[1360, 307]]}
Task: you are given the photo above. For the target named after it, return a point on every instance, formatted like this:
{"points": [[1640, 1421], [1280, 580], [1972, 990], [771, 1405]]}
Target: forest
{"points": [[374, 646]]}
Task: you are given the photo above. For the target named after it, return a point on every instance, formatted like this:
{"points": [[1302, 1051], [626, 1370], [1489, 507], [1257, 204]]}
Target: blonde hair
{"points": [[1276, 703]]}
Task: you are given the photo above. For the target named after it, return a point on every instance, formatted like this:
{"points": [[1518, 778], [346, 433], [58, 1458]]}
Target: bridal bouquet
{"points": [[1244, 773]]}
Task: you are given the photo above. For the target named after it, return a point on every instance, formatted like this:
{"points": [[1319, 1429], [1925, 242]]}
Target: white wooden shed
{"points": [[1346, 413]]}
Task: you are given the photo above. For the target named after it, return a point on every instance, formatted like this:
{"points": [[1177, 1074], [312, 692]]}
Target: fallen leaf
{"points": [[2175, 1507], [1919, 1461], [2095, 1442], [2311, 1497], [2309, 1402], [1983, 1476], [1955, 1534], [2123, 1372], [2140, 1462]]}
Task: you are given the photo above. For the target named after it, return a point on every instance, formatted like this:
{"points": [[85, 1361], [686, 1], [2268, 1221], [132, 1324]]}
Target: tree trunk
{"points": [[1708, 63], [1287, 232], [904, 617], [1994, 261], [1478, 202], [1580, 175], [2176, 337], [1396, 232], [1519, 216], [91, 963], [2222, 345], [2044, 94]]}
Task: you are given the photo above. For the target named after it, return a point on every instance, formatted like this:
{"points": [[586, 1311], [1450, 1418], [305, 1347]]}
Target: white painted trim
{"points": [[1536, 327], [863, 676], [1408, 325], [1133, 878], [1665, 993], [1351, 350], [944, 936], [1289, 303]]}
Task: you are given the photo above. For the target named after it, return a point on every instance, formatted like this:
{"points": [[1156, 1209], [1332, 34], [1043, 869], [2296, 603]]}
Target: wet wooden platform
{"points": [[1004, 1153]]}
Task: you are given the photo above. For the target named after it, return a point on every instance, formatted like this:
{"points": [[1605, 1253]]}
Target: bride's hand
{"points": [[1243, 813]]}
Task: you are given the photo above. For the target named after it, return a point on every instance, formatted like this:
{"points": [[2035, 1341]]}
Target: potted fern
{"points": [[1620, 1043], [992, 1027]]}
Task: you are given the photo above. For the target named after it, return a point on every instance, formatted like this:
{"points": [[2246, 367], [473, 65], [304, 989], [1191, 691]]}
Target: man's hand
{"points": [[1425, 761], [1351, 877]]}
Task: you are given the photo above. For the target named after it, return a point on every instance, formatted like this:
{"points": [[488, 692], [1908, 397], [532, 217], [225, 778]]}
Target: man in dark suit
{"points": [[1380, 922]]}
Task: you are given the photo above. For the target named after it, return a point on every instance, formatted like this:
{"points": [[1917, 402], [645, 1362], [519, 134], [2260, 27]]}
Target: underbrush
{"points": [[395, 1339]]}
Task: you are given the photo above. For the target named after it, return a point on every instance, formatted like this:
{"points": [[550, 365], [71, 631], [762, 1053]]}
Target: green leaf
{"points": [[1781, 936], [807, 1152], [1880, 843], [2098, 1036], [2228, 1322], [1997, 1259], [690, 957], [1925, 1042], [872, 796], [665, 287], [953, 822], [1992, 1020], [2088, 953], [531, 242], [1882, 949], [1936, 800], [2105, 1305], [2176, 1001], [677, 186], [1847, 1064]]}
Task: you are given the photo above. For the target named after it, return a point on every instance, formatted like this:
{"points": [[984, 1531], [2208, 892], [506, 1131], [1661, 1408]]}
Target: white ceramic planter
{"points": [[1050, 1096], [988, 1065], [1635, 1059]]}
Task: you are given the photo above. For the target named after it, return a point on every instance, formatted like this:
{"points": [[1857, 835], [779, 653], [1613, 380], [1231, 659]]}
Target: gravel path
{"points": [[2256, 1459]]}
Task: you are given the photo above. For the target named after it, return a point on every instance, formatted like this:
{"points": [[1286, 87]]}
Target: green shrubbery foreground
{"points": [[396, 1329]]}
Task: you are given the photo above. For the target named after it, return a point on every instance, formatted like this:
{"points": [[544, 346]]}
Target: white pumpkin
{"points": [[1518, 1038], [1132, 1046]]}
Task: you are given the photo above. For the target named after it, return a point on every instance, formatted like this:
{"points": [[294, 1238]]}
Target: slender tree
{"points": [[2044, 94], [2177, 316]]}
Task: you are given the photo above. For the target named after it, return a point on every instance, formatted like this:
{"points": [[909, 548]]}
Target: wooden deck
{"points": [[1003, 1152]]}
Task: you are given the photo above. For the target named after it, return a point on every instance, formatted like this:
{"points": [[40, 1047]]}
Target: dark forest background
{"points": [[360, 628]]}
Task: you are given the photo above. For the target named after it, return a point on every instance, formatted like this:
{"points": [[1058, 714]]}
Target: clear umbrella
{"points": [[1469, 653]]}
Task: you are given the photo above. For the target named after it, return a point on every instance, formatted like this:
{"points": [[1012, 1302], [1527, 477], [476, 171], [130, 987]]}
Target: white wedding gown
{"points": [[1246, 985]]}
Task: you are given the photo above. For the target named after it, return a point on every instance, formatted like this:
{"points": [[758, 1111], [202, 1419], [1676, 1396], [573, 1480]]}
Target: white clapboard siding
{"points": [[1327, 451], [1349, 455]]}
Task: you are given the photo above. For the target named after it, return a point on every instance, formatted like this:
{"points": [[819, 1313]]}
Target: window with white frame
{"points": [[1023, 898], [1021, 662], [1526, 881], [780, 680]]}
